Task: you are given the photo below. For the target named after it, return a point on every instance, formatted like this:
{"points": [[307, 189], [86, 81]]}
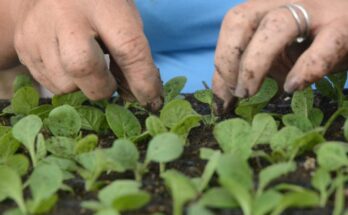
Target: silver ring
{"points": [[300, 13]]}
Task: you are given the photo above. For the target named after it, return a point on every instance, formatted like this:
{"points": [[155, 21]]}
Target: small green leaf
{"points": [[320, 181], [345, 129], [73, 99], [164, 148], [92, 118], [43, 206], [298, 121], [231, 166], [131, 201], [325, 88], [283, 140], [302, 102], [24, 100], [61, 146], [234, 135], [42, 111], [198, 210], [218, 198], [273, 172], [11, 186], [316, 116], [155, 126], [45, 181], [266, 202], [86, 144], [19, 163], [41, 150], [173, 87], [267, 91], [301, 199], [125, 153], [181, 188], [122, 122], [173, 112], [204, 96], [64, 121], [22, 80], [117, 189], [8, 145], [332, 156], [263, 128], [183, 127], [209, 170], [26, 131]]}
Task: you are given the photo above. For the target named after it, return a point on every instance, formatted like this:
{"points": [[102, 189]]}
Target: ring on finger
{"points": [[302, 19]]}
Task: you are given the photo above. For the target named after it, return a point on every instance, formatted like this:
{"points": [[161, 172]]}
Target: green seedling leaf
{"points": [[8, 145], [263, 128], [306, 143], [123, 195], [25, 131], [209, 170], [206, 153], [332, 156], [73, 99], [198, 210], [339, 204], [173, 88], [42, 111], [92, 118], [183, 127], [94, 163], [302, 102], [266, 202], [248, 112], [301, 199], [41, 150], [240, 193], [42, 207], [231, 166], [273, 172], [173, 112], [164, 148], [125, 153], [177, 183], [316, 116], [218, 198], [122, 122], [19, 163], [61, 146], [24, 100], [66, 165], [11, 186], [299, 121], [155, 126], [321, 181], [86, 144], [204, 96], [45, 181], [64, 121], [22, 80], [234, 135]]}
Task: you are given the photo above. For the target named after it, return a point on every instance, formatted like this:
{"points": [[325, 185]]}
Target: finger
{"points": [[29, 56], [328, 49], [223, 100], [130, 50], [277, 30], [236, 32], [83, 60], [52, 63]]}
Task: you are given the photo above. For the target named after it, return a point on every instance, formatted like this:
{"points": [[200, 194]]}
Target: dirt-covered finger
{"points": [[329, 48]]}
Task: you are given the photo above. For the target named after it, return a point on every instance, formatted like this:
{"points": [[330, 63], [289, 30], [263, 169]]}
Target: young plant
{"points": [[119, 196], [164, 148], [206, 97], [92, 119], [248, 108], [26, 131], [182, 189], [173, 88]]}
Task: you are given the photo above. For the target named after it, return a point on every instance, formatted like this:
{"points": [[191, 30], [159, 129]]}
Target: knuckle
{"points": [[132, 51], [240, 17], [275, 21], [81, 64]]}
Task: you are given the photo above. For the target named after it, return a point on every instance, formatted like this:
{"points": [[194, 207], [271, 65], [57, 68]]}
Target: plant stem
{"points": [[332, 119], [162, 168]]}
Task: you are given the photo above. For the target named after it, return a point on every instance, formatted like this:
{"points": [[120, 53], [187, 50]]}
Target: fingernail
{"points": [[241, 92], [291, 85]]}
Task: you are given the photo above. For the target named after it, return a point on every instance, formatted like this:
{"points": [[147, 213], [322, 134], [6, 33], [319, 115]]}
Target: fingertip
{"points": [[223, 98]]}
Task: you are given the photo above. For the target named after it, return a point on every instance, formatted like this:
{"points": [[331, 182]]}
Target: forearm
{"points": [[8, 13]]}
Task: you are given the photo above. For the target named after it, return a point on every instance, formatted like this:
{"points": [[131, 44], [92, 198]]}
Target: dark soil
{"points": [[191, 165]]}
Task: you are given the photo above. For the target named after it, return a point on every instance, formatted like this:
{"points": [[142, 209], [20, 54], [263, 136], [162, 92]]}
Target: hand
{"points": [[257, 39], [58, 42]]}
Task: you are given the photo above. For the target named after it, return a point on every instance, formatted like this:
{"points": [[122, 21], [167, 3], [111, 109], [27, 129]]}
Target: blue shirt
{"points": [[183, 35]]}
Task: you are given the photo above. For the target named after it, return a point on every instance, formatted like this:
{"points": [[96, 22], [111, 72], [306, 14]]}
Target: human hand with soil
{"points": [[258, 37], [62, 44]]}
